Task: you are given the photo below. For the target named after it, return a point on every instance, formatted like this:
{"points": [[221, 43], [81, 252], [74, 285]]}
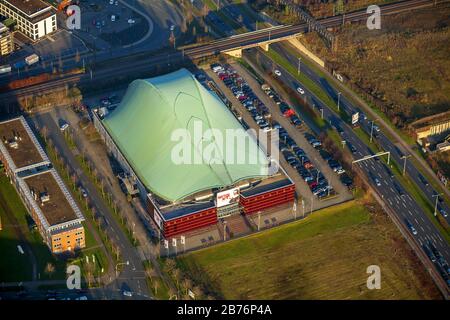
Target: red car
{"points": [[308, 165], [289, 113]]}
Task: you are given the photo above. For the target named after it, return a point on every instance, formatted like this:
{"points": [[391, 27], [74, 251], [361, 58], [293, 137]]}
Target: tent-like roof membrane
{"points": [[156, 127]]}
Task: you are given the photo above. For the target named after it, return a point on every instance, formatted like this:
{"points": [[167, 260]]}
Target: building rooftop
{"points": [[20, 143], [29, 7], [52, 197], [143, 128], [426, 122]]}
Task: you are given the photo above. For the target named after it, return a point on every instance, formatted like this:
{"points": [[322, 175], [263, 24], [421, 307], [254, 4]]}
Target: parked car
{"points": [[278, 73], [63, 125], [410, 227]]}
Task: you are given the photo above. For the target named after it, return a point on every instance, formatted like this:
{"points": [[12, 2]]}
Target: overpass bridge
{"points": [[263, 38], [231, 45], [264, 44]]}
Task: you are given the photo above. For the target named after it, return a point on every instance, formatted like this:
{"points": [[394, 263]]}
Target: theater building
{"points": [[144, 134], [44, 194]]}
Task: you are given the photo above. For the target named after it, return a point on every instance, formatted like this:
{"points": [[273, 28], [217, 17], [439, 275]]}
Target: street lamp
{"points": [[339, 100], [435, 205], [303, 207], [404, 162], [121, 263], [224, 231], [371, 130], [259, 219]]}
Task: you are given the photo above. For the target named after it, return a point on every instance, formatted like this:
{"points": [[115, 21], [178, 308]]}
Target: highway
{"points": [[383, 141], [129, 65], [404, 206]]}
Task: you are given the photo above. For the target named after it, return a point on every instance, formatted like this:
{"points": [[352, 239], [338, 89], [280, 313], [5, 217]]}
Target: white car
{"points": [[277, 72], [172, 27], [131, 21], [64, 126], [127, 293], [300, 90], [377, 182], [113, 18], [111, 1]]}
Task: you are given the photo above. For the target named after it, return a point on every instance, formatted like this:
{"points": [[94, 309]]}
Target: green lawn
{"points": [[18, 267], [324, 256]]}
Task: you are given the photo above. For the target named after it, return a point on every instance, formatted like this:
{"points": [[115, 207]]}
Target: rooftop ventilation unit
{"points": [[14, 144], [45, 197]]}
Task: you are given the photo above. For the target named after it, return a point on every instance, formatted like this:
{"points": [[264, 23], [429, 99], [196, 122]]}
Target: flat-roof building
{"points": [[143, 134], [6, 41], [50, 204], [35, 18]]}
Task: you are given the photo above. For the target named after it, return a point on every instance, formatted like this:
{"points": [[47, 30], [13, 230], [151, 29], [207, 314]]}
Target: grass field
{"points": [[322, 257], [17, 267]]}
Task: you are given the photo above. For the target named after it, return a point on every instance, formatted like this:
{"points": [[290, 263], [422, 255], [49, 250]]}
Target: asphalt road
{"points": [[383, 141], [405, 207], [132, 277], [130, 64]]}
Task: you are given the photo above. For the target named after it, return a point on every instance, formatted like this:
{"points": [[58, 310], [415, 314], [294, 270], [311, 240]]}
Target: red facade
{"points": [[190, 222], [267, 199], [207, 217]]}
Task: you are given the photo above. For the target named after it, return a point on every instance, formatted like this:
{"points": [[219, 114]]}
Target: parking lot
{"points": [[317, 177], [110, 23]]}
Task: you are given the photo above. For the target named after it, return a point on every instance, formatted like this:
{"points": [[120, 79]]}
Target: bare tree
{"points": [[49, 269]]}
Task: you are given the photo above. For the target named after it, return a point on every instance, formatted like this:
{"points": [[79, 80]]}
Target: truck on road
{"points": [[32, 59], [5, 69]]}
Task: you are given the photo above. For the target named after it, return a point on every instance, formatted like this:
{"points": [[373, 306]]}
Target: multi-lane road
{"points": [[404, 206]]}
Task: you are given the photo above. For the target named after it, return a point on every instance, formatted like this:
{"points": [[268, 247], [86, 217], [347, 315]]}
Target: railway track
{"points": [[212, 48]]}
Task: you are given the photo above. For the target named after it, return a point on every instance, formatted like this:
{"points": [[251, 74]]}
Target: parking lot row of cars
{"points": [[242, 91], [294, 155]]}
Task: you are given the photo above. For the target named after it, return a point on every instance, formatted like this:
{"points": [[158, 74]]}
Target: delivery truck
{"points": [[5, 69], [32, 59]]}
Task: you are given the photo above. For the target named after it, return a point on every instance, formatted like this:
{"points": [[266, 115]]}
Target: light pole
{"points": [[121, 263], [371, 130], [339, 100], [259, 220], [224, 231], [303, 208], [404, 162], [435, 205], [298, 66]]}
